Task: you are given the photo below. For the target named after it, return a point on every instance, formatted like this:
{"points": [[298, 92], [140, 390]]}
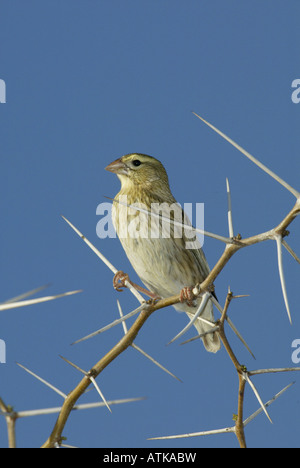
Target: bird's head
{"points": [[139, 170]]}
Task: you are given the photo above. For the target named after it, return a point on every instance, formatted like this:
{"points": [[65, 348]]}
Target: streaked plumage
{"points": [[164, 265]]}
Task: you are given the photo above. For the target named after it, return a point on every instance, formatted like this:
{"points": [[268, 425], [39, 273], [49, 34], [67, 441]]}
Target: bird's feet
{"points": [[120, 279], [187, 296]]}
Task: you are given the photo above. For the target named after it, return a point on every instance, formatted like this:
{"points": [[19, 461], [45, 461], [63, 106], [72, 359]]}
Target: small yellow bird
{"points": [[156, 250]]}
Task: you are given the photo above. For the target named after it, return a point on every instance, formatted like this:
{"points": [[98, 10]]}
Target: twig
{"points": [[239, 426], [274, 371], [10, 417]]}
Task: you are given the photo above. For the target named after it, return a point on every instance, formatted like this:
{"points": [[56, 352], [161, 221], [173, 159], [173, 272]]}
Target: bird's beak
{"points": [[118, 167]]}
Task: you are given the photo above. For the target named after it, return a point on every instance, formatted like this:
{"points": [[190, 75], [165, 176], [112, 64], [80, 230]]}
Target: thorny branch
{"points": [[73, 396], [231, 248], [129, 338], [233, 245], [239, 426], [10, 417]]}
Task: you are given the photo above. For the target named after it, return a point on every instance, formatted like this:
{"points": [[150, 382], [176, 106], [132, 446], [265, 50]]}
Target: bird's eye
{"points": [[136, 162]]}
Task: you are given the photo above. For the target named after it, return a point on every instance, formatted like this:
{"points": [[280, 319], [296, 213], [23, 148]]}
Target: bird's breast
{"points": [[162, 262]]}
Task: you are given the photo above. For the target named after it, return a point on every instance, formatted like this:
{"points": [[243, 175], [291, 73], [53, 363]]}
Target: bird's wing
{"points": [[185, 237]]}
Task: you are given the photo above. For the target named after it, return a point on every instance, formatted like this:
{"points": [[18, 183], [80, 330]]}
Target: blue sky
{"points": [[86, 82]]}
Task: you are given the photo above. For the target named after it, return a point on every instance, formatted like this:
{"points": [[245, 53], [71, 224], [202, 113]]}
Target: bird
{"points": [[156, 250]]}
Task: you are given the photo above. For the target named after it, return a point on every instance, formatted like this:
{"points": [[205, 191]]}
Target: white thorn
{"points": [[247, 378], [104, 260], [230, 223], [199, 311], [15, 305], [278, 239], [252, 158], [43, 381], [112, 324]]}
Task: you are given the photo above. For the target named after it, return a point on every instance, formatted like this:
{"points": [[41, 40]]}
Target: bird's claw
{"points": [[187, 295], [119, 280]]}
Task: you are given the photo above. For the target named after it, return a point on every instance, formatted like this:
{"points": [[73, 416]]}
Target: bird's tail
{"points": [[211, 341]]}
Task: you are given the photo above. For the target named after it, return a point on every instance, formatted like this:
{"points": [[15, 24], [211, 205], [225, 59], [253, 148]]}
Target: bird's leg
{"points": [[187, 295], [119, 282]]}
